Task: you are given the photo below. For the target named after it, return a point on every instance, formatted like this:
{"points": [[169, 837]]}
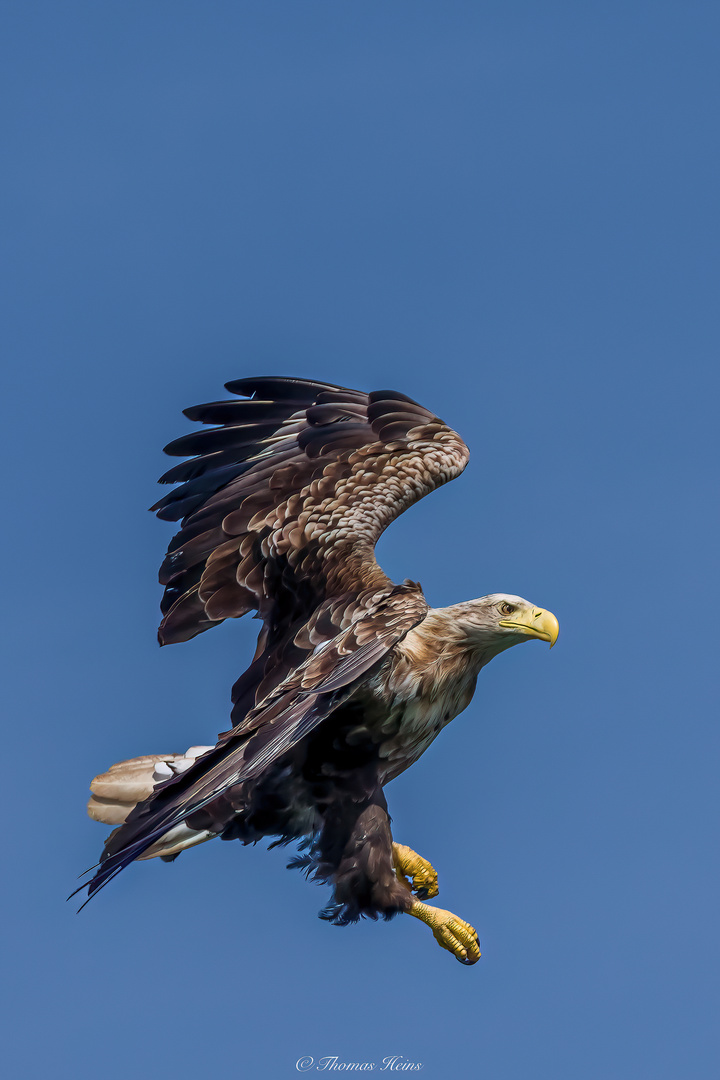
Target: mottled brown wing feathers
{"points": [[282, 503]]}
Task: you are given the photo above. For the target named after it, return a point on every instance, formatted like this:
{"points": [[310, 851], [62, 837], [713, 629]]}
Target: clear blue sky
{"points": [[508, 211]]}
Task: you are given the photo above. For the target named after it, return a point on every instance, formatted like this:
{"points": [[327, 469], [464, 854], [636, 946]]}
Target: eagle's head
{"points": [[498, 621]]}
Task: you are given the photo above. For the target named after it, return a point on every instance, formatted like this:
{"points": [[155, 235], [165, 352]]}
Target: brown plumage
{"points": [[281, 506]]}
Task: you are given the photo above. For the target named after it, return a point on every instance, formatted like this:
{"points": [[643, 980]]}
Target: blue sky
{"points": [[509, 212]]}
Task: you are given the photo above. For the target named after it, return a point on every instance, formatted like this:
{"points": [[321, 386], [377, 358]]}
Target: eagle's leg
{"points": [[451, 932], [408, 864], [355, 852]]}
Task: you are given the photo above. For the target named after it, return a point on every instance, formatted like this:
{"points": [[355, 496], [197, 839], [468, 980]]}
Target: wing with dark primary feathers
{"points": [[281, 506]]}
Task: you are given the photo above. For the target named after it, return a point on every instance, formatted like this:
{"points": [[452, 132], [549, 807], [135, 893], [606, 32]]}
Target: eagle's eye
{"points": [[507, 609]]}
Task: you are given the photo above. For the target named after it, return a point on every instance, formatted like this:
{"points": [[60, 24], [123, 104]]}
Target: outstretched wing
{"points": [[281, 507], [330, 674]]}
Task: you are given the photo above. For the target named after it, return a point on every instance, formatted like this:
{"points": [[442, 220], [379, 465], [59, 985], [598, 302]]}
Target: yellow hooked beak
{"points": [[535, 623]]}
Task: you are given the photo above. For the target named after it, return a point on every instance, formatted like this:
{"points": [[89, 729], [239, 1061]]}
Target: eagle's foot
{"points": [[408, 864], [450, 932]]}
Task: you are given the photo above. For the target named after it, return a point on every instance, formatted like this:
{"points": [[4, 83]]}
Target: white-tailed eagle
{"points": [[281, 504]]}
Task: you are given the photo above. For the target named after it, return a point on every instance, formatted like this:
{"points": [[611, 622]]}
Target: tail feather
{"points": [[118, 791], [124, 785]]}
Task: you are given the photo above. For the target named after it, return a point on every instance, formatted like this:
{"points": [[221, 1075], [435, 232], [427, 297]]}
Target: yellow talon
{"points": [[408, 864], [450, 932]]}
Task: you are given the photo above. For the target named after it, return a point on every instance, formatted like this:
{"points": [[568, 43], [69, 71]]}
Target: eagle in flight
{"points": [[280, 507]]}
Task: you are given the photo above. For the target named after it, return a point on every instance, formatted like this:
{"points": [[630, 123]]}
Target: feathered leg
{"points": [[355, 851]]}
